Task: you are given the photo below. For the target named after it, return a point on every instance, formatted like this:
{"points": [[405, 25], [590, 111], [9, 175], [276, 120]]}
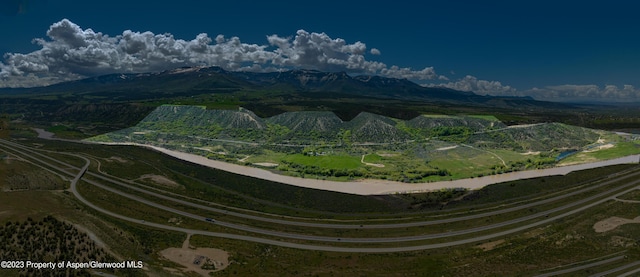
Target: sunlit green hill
{"points": [[309, 126], [428, 147]]}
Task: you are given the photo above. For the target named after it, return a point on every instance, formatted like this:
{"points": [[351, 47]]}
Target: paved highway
{"points": [[578, 268], [361, 226], [606, 196], [359, 240]]}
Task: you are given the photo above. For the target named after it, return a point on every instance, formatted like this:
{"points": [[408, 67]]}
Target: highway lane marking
{"points": [[332, 248]]}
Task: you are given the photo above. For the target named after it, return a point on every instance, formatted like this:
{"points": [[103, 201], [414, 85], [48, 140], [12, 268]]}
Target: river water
{"points": [[371, 186], [377, 187]]}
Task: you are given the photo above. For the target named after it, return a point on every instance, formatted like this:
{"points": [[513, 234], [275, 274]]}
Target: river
{"points": [[372, 186], [377, 187]]}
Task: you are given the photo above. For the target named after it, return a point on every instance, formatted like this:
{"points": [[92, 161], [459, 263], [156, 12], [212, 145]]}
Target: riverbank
{"points": [[368, 186], [377, 187]]}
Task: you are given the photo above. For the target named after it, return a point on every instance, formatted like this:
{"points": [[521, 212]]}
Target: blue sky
{"points": [[551, 50]]}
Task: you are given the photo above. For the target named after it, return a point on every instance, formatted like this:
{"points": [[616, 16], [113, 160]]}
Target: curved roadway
{"points": [[346, 226], [83, 170]]}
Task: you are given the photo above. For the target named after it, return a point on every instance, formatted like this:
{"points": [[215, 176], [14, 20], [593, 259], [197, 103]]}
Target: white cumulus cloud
{"points": [[607, 93], [483, 87], [561, 93], [71, 52]]}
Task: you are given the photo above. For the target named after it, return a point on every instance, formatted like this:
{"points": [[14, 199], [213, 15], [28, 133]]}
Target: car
{"points": [[210, 219]]}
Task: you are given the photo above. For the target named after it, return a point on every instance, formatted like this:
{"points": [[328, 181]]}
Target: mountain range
{"points": [[215, 80], [117, 101]]}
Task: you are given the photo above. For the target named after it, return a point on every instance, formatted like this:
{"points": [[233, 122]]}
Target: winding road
{"points": [[544, 218]]}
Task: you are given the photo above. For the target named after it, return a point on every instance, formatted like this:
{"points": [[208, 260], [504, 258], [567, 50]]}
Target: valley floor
{"points": [[377, 187]]}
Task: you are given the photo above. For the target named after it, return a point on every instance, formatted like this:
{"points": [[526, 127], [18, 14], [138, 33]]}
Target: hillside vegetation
{"points": [[313, 143], [92, 106], [48, 240]]}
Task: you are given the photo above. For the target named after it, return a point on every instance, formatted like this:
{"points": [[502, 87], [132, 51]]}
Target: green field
{"points": [[325, 161], [485, 117], [617, 150], [501, 256], [373, 158], [417, 140], [320, 145]]}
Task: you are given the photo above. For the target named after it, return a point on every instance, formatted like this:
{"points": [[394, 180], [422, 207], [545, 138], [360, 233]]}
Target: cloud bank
{"points": [[566, 93], [561, 93], [72, 52], [483, 87]]}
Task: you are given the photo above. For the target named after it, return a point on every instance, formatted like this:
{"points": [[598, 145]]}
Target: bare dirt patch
{"points": [[175, 221], [447, 148], [202, 261], [622, 241], [116, 159], [266, 164], [612, 223], [568, 238], [600, 147], [531, 153], [212, 150], [490, 245], [44, 134], [534, 233], [160, 180]]}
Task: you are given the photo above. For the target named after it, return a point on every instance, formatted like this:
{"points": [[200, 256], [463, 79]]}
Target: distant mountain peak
{"points": [[199, 79]]}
